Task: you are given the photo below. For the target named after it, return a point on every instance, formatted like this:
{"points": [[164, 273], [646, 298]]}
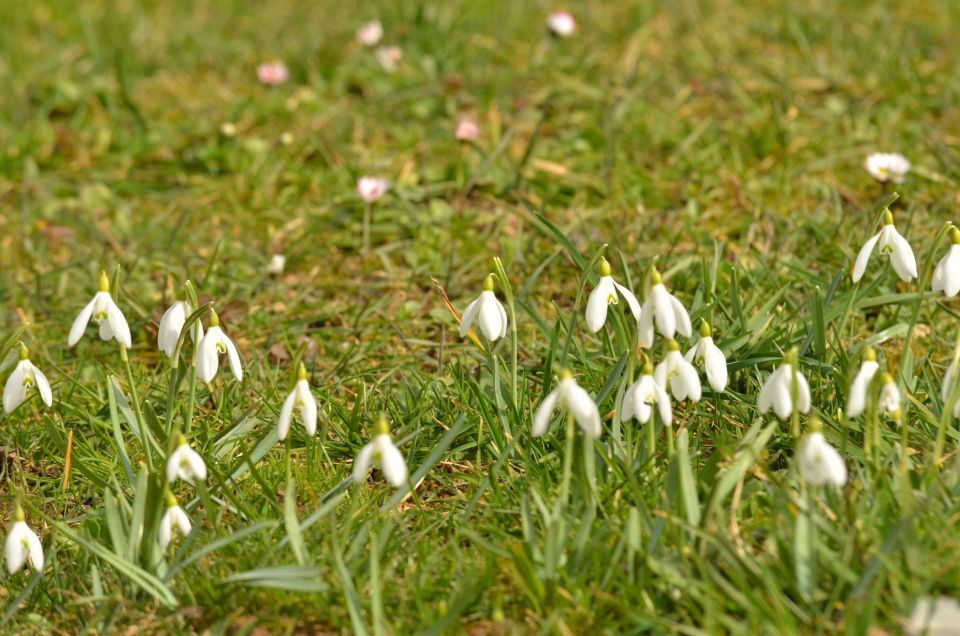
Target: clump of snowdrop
{"points": [[215, 343], [662, 310], [106, 314], [389, 57], [677, 375], [561, 24], [277, 264], [171, 324], [174, 518], [568, 396], [819, 463], [606, 293], [893, 246], [778, 390], [382, 453], [272, 73], [642, 395], [467, 130], [301, 400], [857, 402], [946, 275], [372, 189], [887, 166], [23, 546], [708, 354], [185, 463], [24, 377], [487, 312], [370, 33]]}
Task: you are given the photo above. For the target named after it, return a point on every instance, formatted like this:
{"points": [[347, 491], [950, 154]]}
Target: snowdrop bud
{"points": [[946, 275], [488, 312], [857, 401], [893, 246], [819, 463], [22, 546]]}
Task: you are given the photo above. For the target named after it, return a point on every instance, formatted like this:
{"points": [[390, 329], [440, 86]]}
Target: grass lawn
{"points": [[720, 142]]}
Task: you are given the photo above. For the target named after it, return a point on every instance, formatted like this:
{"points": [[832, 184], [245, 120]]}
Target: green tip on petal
{"points": [[887, 217], [672, 345], [181, 439], [302, 372], [705, 329], [565, 374], [171, 500], [104, 282], [647, 368], [869, 354], [18, 514], [655, 278], [214, 318], [955, 235], [815, 424], [24, 352], [604, 267], [488, 283], [383, 428]]}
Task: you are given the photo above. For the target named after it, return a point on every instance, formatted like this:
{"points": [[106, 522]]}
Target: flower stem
{"points": [[567, 461], [138, 412], [367, 214]]}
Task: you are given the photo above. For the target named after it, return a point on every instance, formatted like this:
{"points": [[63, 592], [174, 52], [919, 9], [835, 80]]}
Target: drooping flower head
{"points": [[887, 166], [185, 463], [568, 397], [174, 518], [607, 293], [946, 275], [171, 325], [889, 402], [370, 33], [24, 377], [819, 463], [23, 546], [561, 24], [106, 314], [777, 391], [708, 354], [487, 312], [381, 452], [893, 246], [677, 375], [371, 189], [857, 402], [272, 73], [302, 401], [642, 395], [662, 310], [214, 344]]}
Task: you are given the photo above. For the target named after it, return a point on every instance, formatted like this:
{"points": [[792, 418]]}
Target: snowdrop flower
{"points": [[948, 378], [946, 275], [887, 166], [171, 324], [893, 246], [214, 343], [23, 545], [106, 314], [820, 464], [889, 397], [276, 264], [568, 396], [604, 294], [713, 360], [934, 617], [25, 376], [857, 402], [777, 391], [661, 308], [389, 57], [272, 73], [641, 395], [371, 189], [488, 312], [173, 519], [382, 453], [561, 24], [303, 401], [185, 463], [467, 130], [678, 375], [370, 33]]}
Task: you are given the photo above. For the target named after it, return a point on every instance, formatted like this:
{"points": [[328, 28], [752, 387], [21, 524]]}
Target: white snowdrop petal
{"points": [[630, 298], [681, 317], [489, 318], [863, 257], [584, 409], [598, 303], [118, 324], [14, 391], [80, 323], [392, 464], [902, 258], [43, 386], [469, 314], [541, 419], [286, 415], [361, 465]]}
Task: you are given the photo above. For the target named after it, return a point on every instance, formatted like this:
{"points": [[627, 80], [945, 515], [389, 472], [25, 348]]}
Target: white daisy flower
{"points": [[887, 166]]}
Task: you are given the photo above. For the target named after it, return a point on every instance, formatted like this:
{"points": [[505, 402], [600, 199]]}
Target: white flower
{"points": [[22, 546], [173, 518], [215, 343], [819, 463], [303, 401], [561, 24], [488, 312], [185, 463], [641, 395], [372, 188], [661, 308], [467, 130], [712, 358], [678, 375], [25, 376], [568, 396], [171, 324], [389, 57], [276, 264], [948, 378], [777, 391], [106, 314], [272, 73], [946, 275], [857, 402], [893, 246], [605, 294], [889, 402], [934, 617], [382, 453], [887, 166], [370, 33]]}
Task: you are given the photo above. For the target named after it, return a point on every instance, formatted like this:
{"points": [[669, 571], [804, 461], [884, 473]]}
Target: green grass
{"points": [[723, 141]]}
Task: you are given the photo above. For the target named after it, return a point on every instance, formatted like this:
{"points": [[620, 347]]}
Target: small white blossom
{"points": [[171, 324], [639, 398], [467, 130], [381, 452], [215, 343], [889, 401], [663, 310], [946, 275], [887, 166], [301, 400], [173, 519], [709, 354], [22, 546], [371, 189], [370, 33], [105, 313], [777, 391], [561, 24], [934, 617], [677, 375], [185, 463], [487, 312], [24, 377], [605, 294], [820, 464], [857, 402], [272, 73], [389, 57], [568, 396], [893, 246], [276, 265]]}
